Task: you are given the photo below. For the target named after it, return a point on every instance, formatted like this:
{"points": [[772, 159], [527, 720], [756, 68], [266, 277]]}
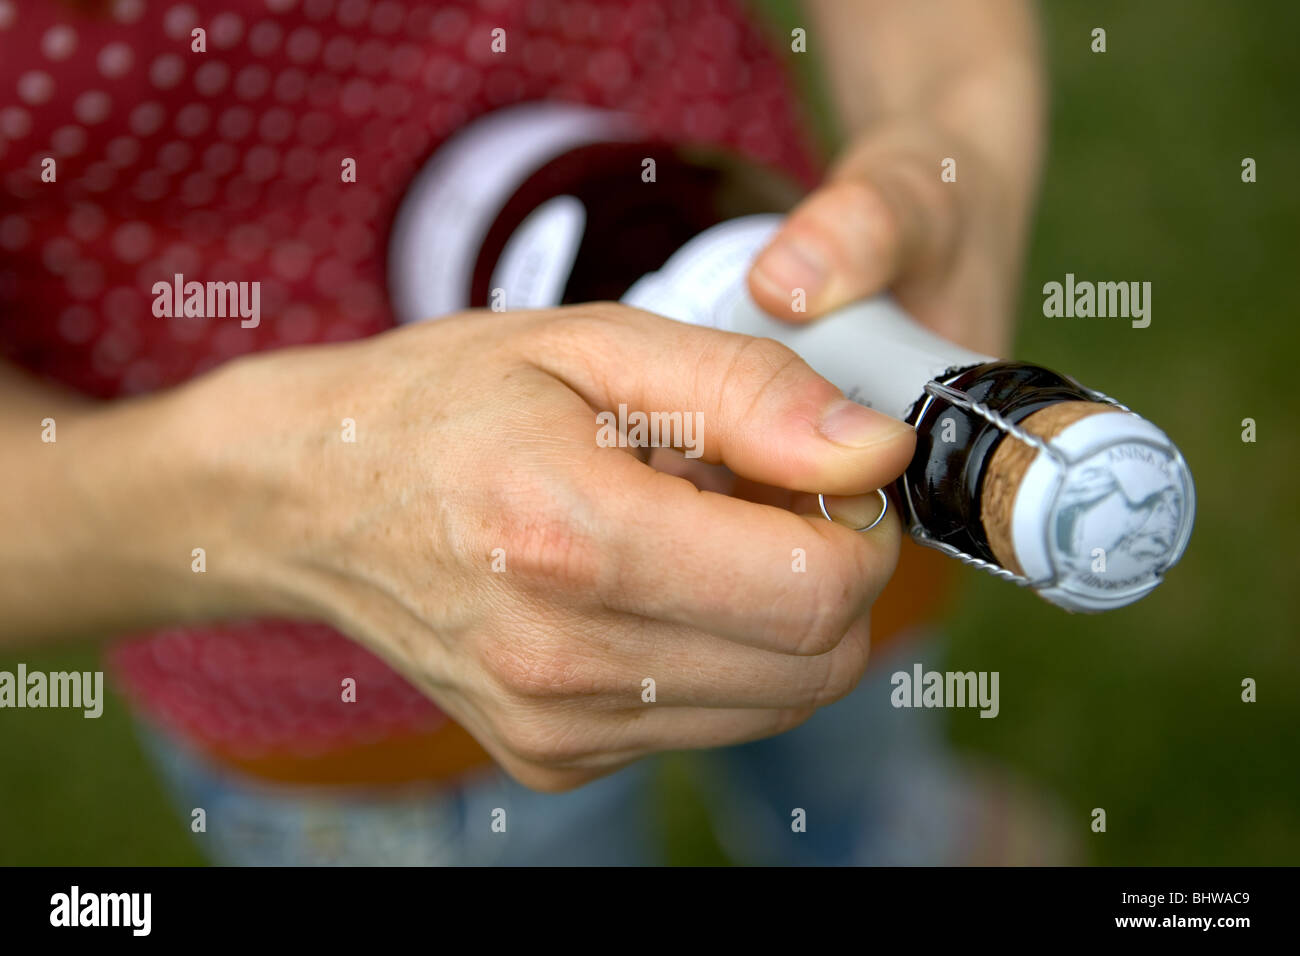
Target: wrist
{"points": [[166, 515], [235, 452], [103, 521]]}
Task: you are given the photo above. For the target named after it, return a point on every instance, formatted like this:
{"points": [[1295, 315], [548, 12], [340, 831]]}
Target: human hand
{"points": [[885, 220], [477, 537]]}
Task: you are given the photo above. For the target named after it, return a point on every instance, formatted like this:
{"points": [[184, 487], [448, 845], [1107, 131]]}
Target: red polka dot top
{"points": [[225, 164]]}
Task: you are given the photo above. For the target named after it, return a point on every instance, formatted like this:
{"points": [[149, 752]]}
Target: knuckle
{"points": [[821, 635], [546, 742], [758, 370], [546, 544], [758, 361], [845, 666], [539, 667], [580, 337], [834, 599], [876, 559], [933, 206], [861, 201], [533, 740], [574, 325]]}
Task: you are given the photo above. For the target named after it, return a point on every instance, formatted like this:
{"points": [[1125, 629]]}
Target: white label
{"points": [[537, 259], [871, 350], [453, 201]]}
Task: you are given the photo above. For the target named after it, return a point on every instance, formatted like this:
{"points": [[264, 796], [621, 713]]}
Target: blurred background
{"points": [[1138, 711]]}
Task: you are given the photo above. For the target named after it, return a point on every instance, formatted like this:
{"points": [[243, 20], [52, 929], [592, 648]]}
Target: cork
{"points": [[1010, 461]]}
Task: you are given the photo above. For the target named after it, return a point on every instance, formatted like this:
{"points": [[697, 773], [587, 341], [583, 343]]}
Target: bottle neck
{"points": [[945, 481]]}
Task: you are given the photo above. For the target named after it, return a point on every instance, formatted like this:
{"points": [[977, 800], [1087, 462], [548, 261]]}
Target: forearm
{"points": [[971, 67], [100, 524]]}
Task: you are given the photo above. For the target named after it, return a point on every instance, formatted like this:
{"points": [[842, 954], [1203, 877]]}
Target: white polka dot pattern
{"points": [[227, 28], [59, 42], [211, 78], [166, 71], [224, 166], [92, 107], [115, 60], [265, 37], [179, 20], [14, 233], [15, 122], [128, 11], [35, 87]]}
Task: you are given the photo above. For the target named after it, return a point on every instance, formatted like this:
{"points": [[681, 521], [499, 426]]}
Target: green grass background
{"points": [[1139, 710]]}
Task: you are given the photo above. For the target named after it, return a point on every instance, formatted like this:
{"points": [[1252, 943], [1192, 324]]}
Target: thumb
{"points": [[884, 212], [761, 410]]}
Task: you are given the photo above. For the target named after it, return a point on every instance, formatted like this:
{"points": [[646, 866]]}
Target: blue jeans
{"points": [[874, 784]]}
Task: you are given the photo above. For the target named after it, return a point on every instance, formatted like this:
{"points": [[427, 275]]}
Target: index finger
{"points": [[757, 574]]}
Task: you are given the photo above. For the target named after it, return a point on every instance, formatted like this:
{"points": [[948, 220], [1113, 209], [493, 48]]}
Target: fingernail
{"points": [[847, 423], [791, 264], [857, 511]]}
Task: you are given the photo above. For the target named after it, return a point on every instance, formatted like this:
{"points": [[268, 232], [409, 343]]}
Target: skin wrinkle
{"points": [[603, 386], [421, 675], [541, 433], [625, 584], [592, 634], [585, 319], [828, 618], [695, 666], [942, 218], [760, 393], [376, 583], [874, 207]]}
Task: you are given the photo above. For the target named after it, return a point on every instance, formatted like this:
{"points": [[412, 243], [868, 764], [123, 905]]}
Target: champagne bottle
{"points": [[1019, 470]]}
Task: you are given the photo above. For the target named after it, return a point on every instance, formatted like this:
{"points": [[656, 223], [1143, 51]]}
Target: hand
{"points": [[478, 432], [884, 220]]}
